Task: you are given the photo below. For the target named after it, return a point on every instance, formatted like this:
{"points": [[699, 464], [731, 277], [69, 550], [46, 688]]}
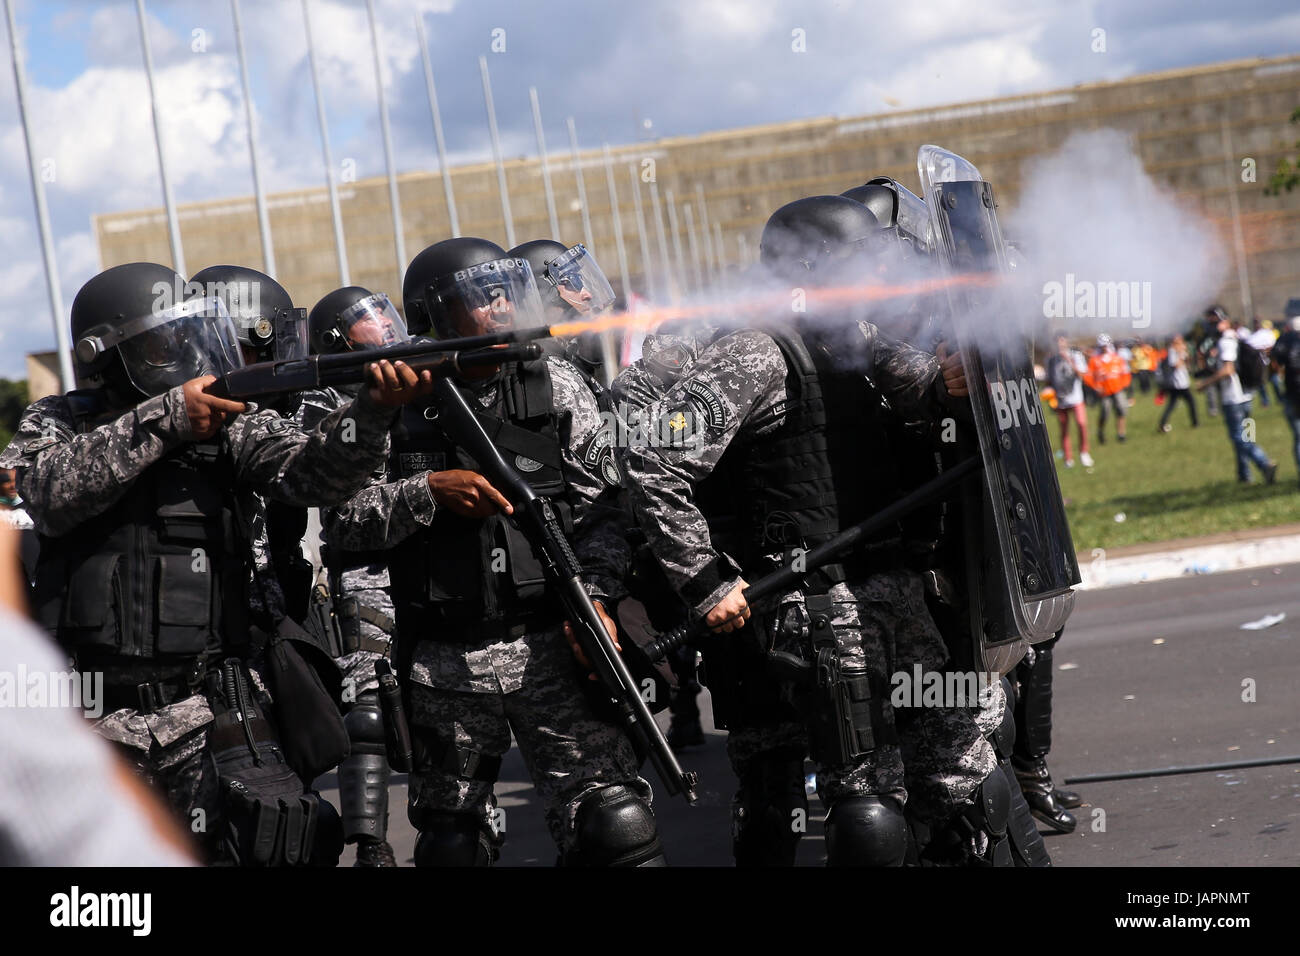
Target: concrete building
{"points": [[1193, 128]]}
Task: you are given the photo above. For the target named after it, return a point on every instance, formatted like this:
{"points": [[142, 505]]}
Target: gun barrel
{"points": [[431, 346]]}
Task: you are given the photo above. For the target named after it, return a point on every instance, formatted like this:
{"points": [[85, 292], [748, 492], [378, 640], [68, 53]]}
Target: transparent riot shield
{"points": [[1028, 579]]}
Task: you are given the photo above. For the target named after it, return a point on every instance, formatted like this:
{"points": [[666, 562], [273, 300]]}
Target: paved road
{"points": [[1147, 676]]}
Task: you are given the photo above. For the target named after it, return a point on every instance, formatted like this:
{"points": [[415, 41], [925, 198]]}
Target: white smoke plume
{"points": [[1107, 249]]}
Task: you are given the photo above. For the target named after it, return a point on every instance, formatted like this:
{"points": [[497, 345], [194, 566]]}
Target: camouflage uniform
{"points": [[368, 586], [735, 391], [70, 477], [473, 693]]}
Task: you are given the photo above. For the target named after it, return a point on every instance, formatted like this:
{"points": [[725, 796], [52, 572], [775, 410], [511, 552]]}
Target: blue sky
{"points": [[686, 66]]}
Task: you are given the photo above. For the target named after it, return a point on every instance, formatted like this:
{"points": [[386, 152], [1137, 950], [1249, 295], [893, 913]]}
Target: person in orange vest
{"points": [[1108, 375]]}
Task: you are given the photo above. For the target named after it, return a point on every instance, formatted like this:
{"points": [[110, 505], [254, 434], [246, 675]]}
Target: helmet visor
{"points": [[290, 334], [579, 281], [492, 297], [372, 323], [167, 348]]}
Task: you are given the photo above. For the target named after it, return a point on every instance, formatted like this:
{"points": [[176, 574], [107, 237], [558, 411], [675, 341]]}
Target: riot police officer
{"points": [[773, 457], [572, 287], [348, 320], [142, 489], [482, 653], [268, 328]]}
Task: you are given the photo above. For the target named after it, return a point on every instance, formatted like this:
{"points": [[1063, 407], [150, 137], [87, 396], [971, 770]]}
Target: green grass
{"points": [[1174, 485]]}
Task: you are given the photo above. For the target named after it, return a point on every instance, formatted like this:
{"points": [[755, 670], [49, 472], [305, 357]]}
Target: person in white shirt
{"points": [[1178, 385], [1236, 407]]}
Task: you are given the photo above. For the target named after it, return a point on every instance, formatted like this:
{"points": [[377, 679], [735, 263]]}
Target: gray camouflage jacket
{"points": [[732, 388], [387, 512], [69, 477]]}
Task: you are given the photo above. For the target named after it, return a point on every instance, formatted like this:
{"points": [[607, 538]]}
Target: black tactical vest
{"points": [[480, 568], [157, 582], [826, 467]]}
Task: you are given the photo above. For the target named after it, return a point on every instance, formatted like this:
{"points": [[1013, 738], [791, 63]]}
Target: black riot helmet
{"points": [[568, 277], [134, 329], [268, 325], [354, 319], [820, 239], [466, 286], [898, 208]]}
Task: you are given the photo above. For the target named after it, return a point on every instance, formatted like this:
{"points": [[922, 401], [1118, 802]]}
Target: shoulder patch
{"points": [[709, 407], [39, 444], [598, 457]]}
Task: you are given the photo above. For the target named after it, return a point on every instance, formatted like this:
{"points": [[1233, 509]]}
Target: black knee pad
{"points": [[363, 775], [364, 723], [867, 830], [770, 811], [976, 836], [615, 827], [454, 839]]}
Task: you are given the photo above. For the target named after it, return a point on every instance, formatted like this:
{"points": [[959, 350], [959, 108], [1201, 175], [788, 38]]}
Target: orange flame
{"points": [[764, 303]]}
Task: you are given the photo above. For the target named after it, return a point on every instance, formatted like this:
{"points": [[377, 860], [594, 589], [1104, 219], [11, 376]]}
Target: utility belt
{"points": [[453, 624], [337, 561], [145, 687]]}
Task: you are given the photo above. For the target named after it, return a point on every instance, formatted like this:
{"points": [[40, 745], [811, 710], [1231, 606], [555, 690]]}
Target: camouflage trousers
{"points": [[940, 756], [376, 623], [168, 749], [473, 696]]}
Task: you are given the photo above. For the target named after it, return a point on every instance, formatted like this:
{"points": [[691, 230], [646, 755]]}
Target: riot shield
{"points": [[1027, 581]]}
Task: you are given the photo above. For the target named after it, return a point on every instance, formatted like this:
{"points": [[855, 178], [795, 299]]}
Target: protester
{"points": [[1178, 384], [1236, 406], [1065, 371]]}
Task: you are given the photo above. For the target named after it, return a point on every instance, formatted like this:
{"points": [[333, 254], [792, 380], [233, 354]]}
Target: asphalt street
{"points": [[1147, 676]]}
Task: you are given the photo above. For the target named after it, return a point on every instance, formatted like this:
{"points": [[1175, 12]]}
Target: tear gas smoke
{"points": [[1104, 248]]}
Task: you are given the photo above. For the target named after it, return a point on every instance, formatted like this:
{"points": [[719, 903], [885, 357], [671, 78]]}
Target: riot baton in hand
{"points": [[349, 368], [786, 577], [539, 523]]}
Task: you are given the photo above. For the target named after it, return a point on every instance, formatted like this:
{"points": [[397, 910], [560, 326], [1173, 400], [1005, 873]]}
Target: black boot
{"points": [[1067, 798], [1036, 784], [377, 853]]}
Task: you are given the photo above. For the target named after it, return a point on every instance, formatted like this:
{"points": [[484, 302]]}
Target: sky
{"points": [[624, 71]]}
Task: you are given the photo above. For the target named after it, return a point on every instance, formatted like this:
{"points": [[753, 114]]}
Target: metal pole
{"points": [[173, 224], [437, 127], [582, 187], [399, 241], [340, 247], [694, 240], [67, 378], [259, 196], [721, 251], [1238, 240], [670, 285], [671, 206], [705, 228], [609, 355], [496, 152], [1176, 771], [546, 167], [623, 272], [650, 280]]}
